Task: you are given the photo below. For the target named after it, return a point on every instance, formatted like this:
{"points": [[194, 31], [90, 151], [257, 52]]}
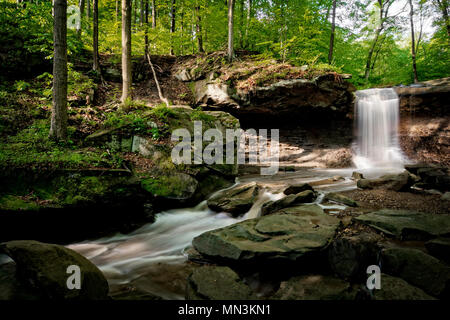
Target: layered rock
{"points": [[395, 182]]}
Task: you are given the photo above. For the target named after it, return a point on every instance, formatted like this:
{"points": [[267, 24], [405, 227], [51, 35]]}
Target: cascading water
{"points": [[377, 145]]}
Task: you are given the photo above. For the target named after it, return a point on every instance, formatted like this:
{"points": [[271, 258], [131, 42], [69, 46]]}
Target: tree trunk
{"points": [[172, 25], [88, 9], [413, 42], [241, 24], [230, 51], [96, 66], [126, 50], [333, 28], [146, 28], [198, 31], [153, 14], [141, 20], [369, 57], [81, 6], [58, 127], [249, 16]]}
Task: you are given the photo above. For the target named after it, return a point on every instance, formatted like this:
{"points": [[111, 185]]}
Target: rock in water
{"points": [[393, 288], [44, 267], [339, 198], [296, 188], [407, 225], [236, 201], [395, 182], [292, 199], [418, 269], [285, 237], [313, 287], [217, 283]]}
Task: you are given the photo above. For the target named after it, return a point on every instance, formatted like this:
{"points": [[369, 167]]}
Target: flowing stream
{"points": [[127, 258]]}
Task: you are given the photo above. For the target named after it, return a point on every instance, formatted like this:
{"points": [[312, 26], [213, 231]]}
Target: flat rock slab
{"points": [[313, 287], [407, 225], [217, 283], [281, 237]]}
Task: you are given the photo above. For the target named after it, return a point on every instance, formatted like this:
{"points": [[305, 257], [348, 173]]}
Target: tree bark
{"points": [[81, 5], [230, 52], [88, 9], [172, 25], [146, 28], [126, 50], [153, 14], [141, 20], [249, 16], [96, 66], [413, 42], [58, 126], [198, 31], [333, 29]]}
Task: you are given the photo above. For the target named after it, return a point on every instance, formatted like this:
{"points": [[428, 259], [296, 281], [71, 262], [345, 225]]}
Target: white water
{"points": [[377, 145]]}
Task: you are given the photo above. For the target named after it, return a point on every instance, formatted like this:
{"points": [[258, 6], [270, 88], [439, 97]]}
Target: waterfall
{"points": [[377, 145]]}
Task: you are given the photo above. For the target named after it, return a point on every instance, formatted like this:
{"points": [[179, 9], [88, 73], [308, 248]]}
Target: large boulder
{"points": [[236, 200], [43, 267], [313, 287], [393, 288], [407, 225], [217, 283], [418, 269], [349, 256], [395, 182], [281, 237]]}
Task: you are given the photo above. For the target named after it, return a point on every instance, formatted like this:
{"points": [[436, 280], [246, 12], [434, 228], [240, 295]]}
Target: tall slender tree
{"points": [[126, 50], [153, 14], [146, 28], [81, 5], [230, 51], [96, 65], [172, 25], [413, 41], [249, 16], [383, 7], [198, 25], [58, 126], [333, 29]]}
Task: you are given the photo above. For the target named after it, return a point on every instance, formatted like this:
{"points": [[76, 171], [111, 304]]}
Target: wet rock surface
{"points": [[236, 201]]}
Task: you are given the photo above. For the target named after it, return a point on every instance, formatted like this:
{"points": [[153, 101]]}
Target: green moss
{"points": [[165, 186], [14, 203]]}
